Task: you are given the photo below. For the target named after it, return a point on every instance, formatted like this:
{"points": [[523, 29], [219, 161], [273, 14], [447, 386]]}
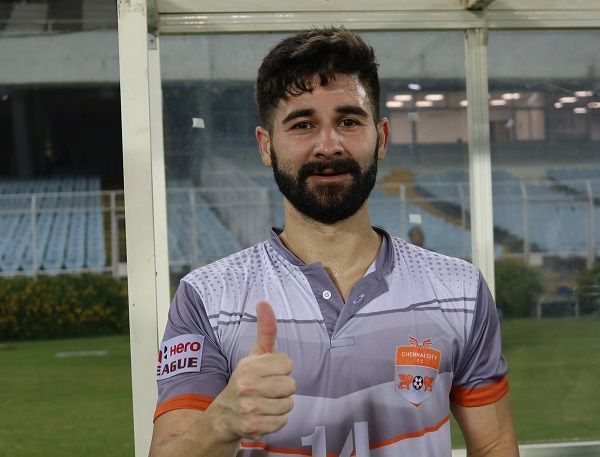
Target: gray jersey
{"points": [[375, 374]]}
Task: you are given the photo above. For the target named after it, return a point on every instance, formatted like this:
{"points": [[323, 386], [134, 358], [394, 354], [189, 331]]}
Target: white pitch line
{"points": [[560, 445], [81, 354], [524, 448]]}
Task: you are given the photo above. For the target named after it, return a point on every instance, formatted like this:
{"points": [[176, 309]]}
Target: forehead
{"points": [[343, 90]]}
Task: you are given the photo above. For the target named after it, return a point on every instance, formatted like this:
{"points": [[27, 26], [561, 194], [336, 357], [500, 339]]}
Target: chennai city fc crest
{"points": [[417, 367]]}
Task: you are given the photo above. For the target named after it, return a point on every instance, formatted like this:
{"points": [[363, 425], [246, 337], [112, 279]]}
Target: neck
{"points": [[346, 249]]}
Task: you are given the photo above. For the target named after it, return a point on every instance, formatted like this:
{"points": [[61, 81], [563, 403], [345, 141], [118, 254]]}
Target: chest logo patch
{"points": [[417, 366]]}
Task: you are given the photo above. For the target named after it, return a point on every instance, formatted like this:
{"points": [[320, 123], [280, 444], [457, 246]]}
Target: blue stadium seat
{"points": [[95, 248], [63, 229], [550, 213], [213, 239]]}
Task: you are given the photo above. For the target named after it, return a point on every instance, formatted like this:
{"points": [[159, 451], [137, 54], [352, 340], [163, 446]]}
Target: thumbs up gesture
{"points": [[266, 329], [258, 397]]}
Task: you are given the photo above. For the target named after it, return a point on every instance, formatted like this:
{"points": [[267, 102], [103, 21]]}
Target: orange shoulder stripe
{"points": [[479, 396], [184, 401]]}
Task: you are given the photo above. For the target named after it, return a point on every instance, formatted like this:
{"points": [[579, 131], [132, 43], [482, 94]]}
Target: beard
{"points": [[327, 203]]}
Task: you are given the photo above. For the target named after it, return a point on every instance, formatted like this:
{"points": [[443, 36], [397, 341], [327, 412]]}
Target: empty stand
{"points": [[5, 13], [30, 14], [65, 15], [196, 234], [53, 225], [57, 225], [240, 203], [97, 12], [538, 213]]}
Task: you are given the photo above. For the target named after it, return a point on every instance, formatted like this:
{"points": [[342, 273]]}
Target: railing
{"points": [[29, 221], [201, 229], [519, 210]]}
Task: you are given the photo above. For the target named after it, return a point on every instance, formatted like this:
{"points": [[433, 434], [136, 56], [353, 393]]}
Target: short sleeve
{"points": [[191, 368], [480, 379]]}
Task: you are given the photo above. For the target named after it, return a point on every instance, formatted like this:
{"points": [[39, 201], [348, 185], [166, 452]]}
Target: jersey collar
{"points": [[383, 264]]}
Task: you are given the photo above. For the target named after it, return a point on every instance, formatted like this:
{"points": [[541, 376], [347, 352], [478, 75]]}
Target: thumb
{"points": [[266, 329]]}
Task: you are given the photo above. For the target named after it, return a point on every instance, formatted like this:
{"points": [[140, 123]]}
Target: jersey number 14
{"points": [[357, 441]]}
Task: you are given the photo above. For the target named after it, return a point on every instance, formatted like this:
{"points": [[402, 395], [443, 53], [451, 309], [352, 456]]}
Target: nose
{"points": [[328, 143]]}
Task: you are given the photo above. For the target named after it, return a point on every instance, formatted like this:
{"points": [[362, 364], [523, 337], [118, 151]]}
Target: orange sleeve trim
{"points": [[184, 401], [479, 396], [375, 445]]}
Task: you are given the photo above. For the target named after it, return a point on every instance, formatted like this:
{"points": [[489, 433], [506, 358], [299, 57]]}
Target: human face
{"points": [[324, 148]]}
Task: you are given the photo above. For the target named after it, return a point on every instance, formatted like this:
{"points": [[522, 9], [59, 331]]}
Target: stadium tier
{"points": [[57, 225], [32, 13], [51, 225], [539, 212], [191, 218], [524, 211], [390, 213]]}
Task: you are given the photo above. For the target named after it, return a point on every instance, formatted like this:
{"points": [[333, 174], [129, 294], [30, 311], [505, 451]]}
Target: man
{"points": [[416, 236], [330, 338]]}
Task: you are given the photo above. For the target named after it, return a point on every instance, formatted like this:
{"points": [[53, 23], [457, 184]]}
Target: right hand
{"points": [[258, 397]]}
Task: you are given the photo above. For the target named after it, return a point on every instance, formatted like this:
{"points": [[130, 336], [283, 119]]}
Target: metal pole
{"points": [[194, 227], [463, 220], [403, 225], [526, 246], [33, 236], [590, 226], [480, 167], [142, 274], [159, 195], [114, 236]]}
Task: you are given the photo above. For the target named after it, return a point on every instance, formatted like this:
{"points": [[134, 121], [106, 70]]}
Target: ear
{"points": [[264, 145], [383, 129]]}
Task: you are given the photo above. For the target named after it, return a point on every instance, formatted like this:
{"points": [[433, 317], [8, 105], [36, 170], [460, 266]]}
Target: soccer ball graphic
{"points": [[418, 382]]}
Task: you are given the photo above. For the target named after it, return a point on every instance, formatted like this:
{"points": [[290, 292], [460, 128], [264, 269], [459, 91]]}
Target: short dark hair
{"points": [[290, 66]]}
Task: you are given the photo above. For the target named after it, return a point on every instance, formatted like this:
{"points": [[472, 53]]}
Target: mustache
{"points": [[336, 166]]}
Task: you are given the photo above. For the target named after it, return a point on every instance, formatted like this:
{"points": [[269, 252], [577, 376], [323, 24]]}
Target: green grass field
{"points": [[72, 406], [81, 406], [554, 379]]}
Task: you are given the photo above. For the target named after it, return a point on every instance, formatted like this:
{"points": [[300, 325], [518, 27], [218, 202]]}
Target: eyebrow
{"points": [[344, 109], [351, 109], [304, 112]]}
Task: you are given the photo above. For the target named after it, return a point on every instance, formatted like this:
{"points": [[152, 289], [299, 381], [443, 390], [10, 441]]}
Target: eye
{"points": [[303, 125], [349, 122]]}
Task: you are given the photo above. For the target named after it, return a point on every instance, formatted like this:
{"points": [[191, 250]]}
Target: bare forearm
{"points": [[489, 429], [182, 447], [504, 445], [507, 449], [199, 440]]}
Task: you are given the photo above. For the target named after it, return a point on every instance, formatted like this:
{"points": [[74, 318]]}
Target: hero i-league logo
{"points": [[181, 354], [417, 367]]}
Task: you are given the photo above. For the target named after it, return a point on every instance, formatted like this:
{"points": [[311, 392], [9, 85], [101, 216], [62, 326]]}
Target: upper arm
{"points": [[479, 397], [488, 430], [192, 370]]}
